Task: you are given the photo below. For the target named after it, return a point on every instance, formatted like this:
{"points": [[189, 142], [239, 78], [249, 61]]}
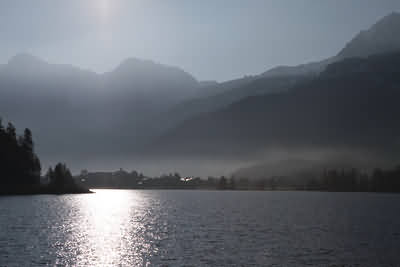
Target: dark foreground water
{"points": [[196, 228]]}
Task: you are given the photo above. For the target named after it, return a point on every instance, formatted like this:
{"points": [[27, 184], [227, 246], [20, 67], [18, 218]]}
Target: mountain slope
{"points": [[77, 113], [351, 105], [193, 107], [382, 37], [80, 114]]}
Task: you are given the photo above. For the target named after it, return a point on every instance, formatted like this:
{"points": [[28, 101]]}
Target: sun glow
{"points": [[103, 7]]}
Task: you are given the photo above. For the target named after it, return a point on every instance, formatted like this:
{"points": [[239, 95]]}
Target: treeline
{"points": [[19, 165], [136, 180], [60, 181], [20, 168], [355, 181], [351, 180]]}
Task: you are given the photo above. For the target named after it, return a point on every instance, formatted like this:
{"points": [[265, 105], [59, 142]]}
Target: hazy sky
{"points": [[211, 39]]}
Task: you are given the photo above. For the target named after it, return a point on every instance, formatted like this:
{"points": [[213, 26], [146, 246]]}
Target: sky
{"points": [[211, 39]]}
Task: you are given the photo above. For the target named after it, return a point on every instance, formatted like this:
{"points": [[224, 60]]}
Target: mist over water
{"points": [[275, 162]]}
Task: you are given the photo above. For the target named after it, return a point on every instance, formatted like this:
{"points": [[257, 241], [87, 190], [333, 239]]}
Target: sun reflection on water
{"points": [[112, 229]]}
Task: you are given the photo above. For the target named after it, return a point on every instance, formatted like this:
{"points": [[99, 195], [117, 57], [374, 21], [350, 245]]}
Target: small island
{"points": [[20, 168]]}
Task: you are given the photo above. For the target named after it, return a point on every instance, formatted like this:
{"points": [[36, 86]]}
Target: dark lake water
{"points": [[197, 228]]}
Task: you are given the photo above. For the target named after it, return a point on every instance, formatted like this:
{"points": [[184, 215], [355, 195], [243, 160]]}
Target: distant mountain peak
{"points": [[134, 62], [131, 66], [382, 37], [149, 69], [24, 63], [25, 59], [393, 17]]}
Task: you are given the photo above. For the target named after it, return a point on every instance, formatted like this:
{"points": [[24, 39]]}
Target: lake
{"points": [[197, 228]]}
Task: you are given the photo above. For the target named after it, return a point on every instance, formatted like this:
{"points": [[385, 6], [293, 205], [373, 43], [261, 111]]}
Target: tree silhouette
{"points": [[60, 179], [20, 167]]}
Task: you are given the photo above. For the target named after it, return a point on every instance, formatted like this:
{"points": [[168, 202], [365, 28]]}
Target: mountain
{"points": [[352, 105], [209, 89], [309, 69], [383, 37], [26, 62], [79, 114], [251, 87], [34, 68], [203, 84], [147, 77]]}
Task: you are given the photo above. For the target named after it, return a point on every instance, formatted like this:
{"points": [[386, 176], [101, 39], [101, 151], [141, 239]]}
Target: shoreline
{"points": [[240, 190], [45, 191]]}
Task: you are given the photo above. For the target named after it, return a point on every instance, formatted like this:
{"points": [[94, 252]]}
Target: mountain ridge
{"points": [[305, 116], [102, 114], [382, 37], [387, 27]]}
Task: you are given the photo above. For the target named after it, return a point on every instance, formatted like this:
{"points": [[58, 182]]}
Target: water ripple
{"points": [[197, 228]]}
